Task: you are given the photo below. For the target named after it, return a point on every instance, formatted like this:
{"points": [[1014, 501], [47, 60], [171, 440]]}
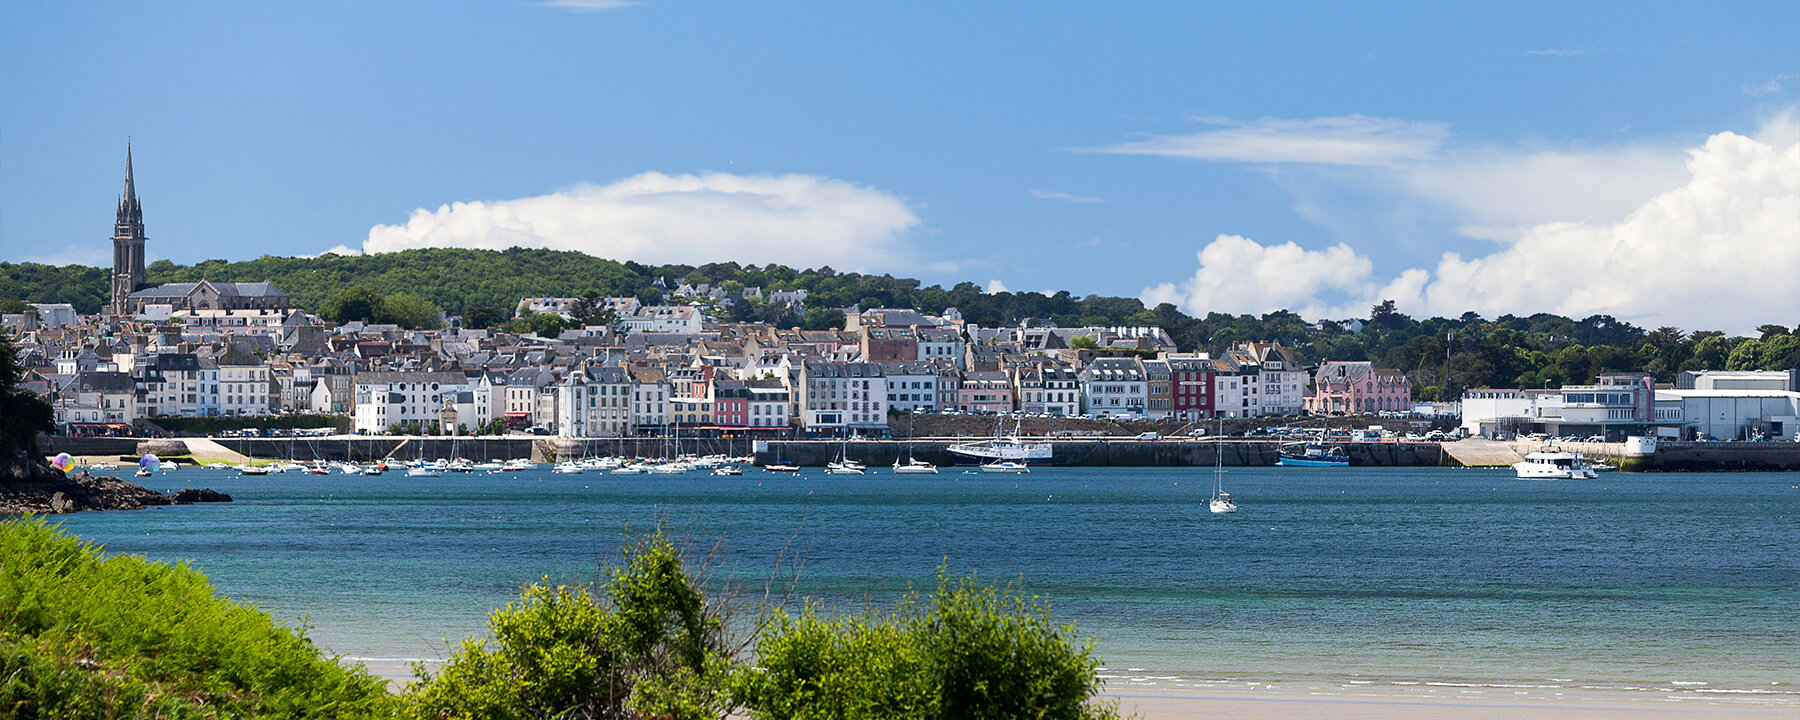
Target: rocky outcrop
{"points": [[189, 496], [162, 448], [30, 486], [74, 493]]}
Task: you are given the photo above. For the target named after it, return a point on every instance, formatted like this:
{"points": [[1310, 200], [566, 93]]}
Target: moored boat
{"points": [[1548, 465], [1006, 466], [1312, 455]]}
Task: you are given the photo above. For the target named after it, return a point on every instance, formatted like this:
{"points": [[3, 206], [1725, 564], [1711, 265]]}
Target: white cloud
{"points": [[1344, 140], [1720, 251], [995, 286], [798, 220], [1772, 87], [590, 6], [72, 255], [1065, 197], [1556, 53], [1503, 191], [1239, 275]]}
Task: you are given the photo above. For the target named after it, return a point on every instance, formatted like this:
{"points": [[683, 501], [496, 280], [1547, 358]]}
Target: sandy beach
{"points": [[1163, 705]]}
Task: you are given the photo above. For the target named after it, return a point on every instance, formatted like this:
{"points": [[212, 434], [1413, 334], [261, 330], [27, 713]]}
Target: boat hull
{"points": [[1296, 461]]}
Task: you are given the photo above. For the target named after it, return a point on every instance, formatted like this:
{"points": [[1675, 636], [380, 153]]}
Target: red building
{"points": [[883, 344], [1191, 386], [731, 404]]}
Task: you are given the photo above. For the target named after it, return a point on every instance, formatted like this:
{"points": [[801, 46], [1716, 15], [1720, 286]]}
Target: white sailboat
{"points": [[844, 465], [912, 466], [1221, 501]]}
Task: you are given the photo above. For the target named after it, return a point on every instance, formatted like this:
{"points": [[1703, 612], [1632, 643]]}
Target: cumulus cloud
{"points": [[995, 286], [1722, 250], [1343, 140], [1065, 197], [799, 220]]}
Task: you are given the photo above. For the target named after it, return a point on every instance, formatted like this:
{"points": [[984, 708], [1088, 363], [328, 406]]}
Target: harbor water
{"points": [[1418, 580]]}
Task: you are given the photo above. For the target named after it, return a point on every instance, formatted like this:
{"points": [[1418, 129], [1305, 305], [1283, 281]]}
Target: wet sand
{"points": [[1161, 705]]}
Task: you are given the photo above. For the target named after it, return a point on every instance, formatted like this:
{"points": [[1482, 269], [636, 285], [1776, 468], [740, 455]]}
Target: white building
{"points": [[911, 386], [1278, 383], [243, 389], [1115, 387], [768, 403], [942, 344], [650, 396], [685, 319], [1736, 414], [594, 402], [842, 397], [390, 398], [169, 385]]}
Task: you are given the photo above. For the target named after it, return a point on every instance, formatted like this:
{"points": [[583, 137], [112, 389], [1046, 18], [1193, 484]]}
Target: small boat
{"points": [[727, 471], [143, 472], [318, 470], [460, 466], [845, 467], [1006, 466], [423, 471], [375, 469], [568, 468], [517, 466], [1312, 455], [488, 466], [780, 468], [632, 469], [1546, 465], [1221, 501], [254, 469], [914, 467]]}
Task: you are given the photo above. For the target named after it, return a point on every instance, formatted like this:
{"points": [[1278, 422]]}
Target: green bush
{"points": [[967, 651], [88, 636], [647, 644]]}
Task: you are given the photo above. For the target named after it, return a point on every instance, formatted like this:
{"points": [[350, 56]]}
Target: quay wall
{"points": [[1099, 452]]}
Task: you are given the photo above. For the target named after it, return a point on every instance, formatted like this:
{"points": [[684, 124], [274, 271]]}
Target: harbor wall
{"points": [[1099, 453]]}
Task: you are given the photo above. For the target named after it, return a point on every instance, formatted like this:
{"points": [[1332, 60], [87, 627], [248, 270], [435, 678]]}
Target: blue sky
{"points": [[1221, 157]]}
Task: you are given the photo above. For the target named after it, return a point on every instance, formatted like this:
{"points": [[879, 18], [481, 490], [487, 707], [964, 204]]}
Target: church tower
{"points": [[128, 245]]}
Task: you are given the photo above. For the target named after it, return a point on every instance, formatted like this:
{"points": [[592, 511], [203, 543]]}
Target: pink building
{"points": [[1358, 387], [985, 392]]}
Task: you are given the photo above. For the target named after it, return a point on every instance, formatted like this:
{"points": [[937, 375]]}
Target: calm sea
{"points": [[1676, 584]]}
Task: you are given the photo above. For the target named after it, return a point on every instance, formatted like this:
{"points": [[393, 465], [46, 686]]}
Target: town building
{"points": [[1115, 388], [1354, 387], [838, 398], [911, 386]]}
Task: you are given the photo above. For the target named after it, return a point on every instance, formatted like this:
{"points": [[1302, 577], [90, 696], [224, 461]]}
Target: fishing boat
{"points": [[1312, 455], [1006, 466], [1550, 465], [1221, 501]]}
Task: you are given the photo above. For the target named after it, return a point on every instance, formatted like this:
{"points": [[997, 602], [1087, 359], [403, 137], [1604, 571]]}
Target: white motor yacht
{"points": [[1547, 465], [1006, 466]]}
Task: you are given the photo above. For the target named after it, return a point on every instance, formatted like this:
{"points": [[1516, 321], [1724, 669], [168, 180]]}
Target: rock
{"points": [[54, 493], [188, 496]]}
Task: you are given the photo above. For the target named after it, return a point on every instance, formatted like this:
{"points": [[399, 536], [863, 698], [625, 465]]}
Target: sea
{"points": [[1683, 587]]}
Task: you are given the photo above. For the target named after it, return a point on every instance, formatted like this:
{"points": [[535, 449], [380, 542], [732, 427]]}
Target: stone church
{"points": [[130, 294]]}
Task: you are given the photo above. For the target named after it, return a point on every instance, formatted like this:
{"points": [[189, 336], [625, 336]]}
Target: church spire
{"points": [[131, 213]]}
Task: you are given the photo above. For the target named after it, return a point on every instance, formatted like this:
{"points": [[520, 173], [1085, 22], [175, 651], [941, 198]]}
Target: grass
{"points": [[85, 635]]}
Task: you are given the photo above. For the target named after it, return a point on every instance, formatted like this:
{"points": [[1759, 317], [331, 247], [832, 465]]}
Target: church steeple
{"points": [[128, 244]]}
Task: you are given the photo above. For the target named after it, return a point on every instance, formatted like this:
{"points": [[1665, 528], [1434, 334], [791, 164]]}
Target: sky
{"points": [[1636, 159]]}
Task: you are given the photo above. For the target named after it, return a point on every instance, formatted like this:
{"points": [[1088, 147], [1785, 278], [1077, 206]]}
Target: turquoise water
{"points": [[1673, 583]]}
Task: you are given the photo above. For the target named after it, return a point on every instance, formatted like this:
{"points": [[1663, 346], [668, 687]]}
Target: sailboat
{"points": [[844, 465], [912, 466], [1221, 501]]}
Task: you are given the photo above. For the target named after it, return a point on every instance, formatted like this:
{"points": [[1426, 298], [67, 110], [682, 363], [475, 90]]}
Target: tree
{"points": [[480, 317], [646, 643], [1781, 352], [22, 414], [1769, 331], [967, 651], [410, 311], [591, 309], [1084, 342], [353, 303], [11, 306]]}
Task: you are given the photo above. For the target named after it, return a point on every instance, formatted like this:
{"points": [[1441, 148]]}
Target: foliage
{"points": [[547, 325], [14, 306], [1084, 342], [645, 644], [968, 651], [88, 636], [359, 302], [22, 414]]}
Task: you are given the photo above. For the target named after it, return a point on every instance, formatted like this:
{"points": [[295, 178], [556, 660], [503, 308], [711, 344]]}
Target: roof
{"points": [[389, 378], [225, 289]]}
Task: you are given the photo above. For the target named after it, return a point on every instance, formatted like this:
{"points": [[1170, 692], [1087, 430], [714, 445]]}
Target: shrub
{"points": [[88, 636], [646, 644], [967, 651]]}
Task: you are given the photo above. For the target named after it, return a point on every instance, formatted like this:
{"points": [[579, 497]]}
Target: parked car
{"points": [[1149, 436]]}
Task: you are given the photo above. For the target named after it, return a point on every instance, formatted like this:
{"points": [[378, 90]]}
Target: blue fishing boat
{"points": [[1312, 455]]}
